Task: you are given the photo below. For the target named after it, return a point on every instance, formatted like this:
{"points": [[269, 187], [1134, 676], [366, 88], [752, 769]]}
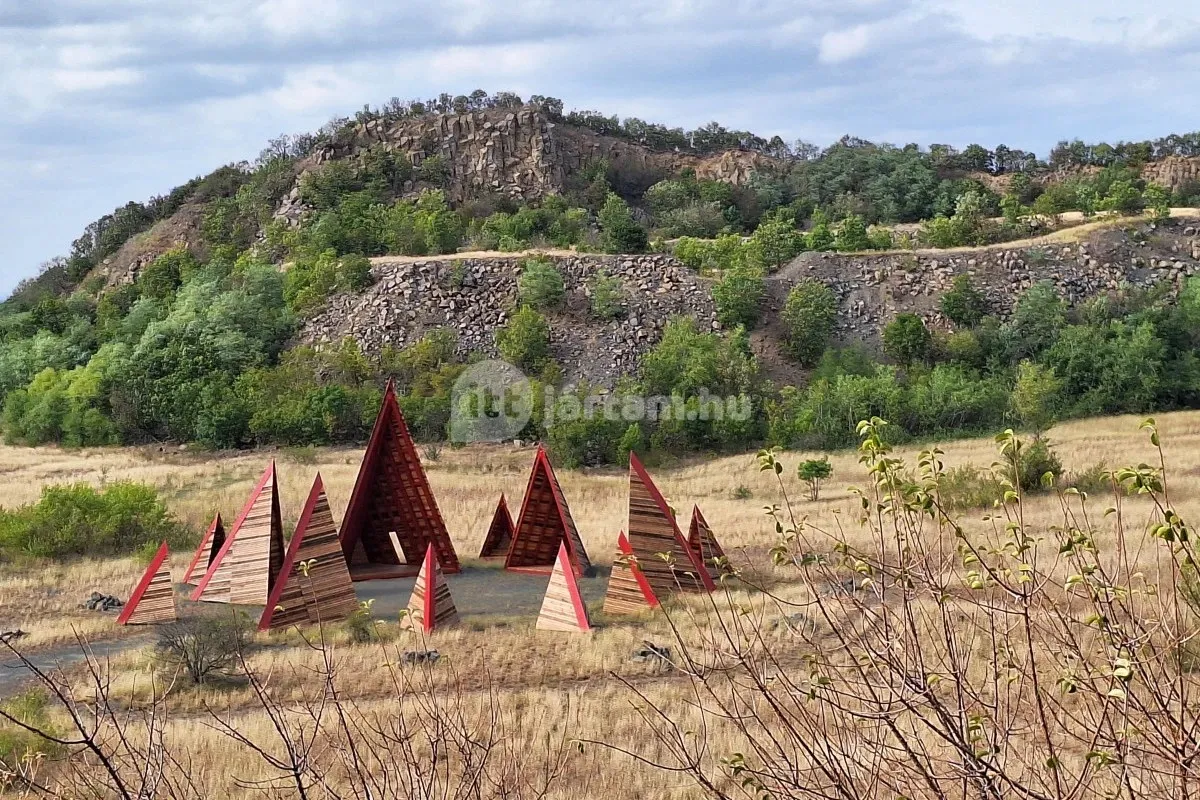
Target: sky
{"points": [[102, 103]]}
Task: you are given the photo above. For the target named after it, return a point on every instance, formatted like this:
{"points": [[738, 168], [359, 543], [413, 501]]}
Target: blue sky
{"points": [[108, 102]]}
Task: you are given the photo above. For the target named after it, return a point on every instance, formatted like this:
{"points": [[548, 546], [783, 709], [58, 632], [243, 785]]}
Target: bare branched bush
{"points": [[205, 647], [951, 659]]}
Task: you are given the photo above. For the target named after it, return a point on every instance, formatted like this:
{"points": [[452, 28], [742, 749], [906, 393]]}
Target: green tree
{"points": [[525, 340], [1158, 200], [964, 304], [606, 296], [852, 235], [906, 340], [1122, 197], [738, 296], [812, 472], [541, 285], [774, 243], [1037, 318], [810, 315], [620, 231], [1035, 397]]}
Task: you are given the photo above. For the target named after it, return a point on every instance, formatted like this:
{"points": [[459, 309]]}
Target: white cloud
{"points": [[843, 45], [84, 80]]}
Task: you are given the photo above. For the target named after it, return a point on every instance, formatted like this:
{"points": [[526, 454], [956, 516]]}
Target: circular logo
{"points": [[492, 401]]}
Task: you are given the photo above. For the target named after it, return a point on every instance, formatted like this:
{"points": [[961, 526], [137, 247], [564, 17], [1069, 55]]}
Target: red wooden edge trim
{"points": [[293, 550], [233, 532], [139, 591], [524, 506], [581, 617], [349, 533], [647, 592], [205, 544], [430, 586], [635, 464]]}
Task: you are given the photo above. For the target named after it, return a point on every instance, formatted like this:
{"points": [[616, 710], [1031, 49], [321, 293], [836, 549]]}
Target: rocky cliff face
{"points": [[520, 154], [475, 295]]}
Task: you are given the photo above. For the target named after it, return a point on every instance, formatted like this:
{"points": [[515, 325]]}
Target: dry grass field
{"points": [[542, 685]]}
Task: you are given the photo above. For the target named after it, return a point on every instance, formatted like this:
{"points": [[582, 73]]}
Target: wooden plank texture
{"points": [[562, 607], [210, 545], [628, 591], [653, 531], [430, 605], [705, 545], [544, 524], [153, 598], [500, 533], [392, 495], [314, 584]]}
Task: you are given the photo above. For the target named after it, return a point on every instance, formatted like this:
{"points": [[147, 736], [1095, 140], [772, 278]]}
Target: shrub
{"points": [[525, 340], [969, 487], [1036, 396], [205, 648], [354, 272], [621, 233], [906, 340], [1036, 460], [738, 296], [18, 744], [541, 285], [606, 297], [964, 304], [813, 472], [361, 624], [775, 242], [852, 235], [77, 519], [810, 316]]}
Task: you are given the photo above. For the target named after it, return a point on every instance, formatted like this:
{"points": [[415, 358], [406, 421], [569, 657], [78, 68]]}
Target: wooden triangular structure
{"points": [[705, 545], [562, 607], [210, 545], [628, 590], [544, 524], [500, 533], [153, 599], [431, 605], [247, 565], [392, 496], [653, 531], [314, 584]]}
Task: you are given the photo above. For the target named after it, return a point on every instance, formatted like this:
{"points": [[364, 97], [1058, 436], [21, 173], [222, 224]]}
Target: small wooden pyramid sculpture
{"points": [[628, 590], [245, 569], [652, 530], [210, 545], [153, 599], [705, 545], [562, 607], [431, 605], [544, 524], [392, 497], [500, 533], [314, 584]]}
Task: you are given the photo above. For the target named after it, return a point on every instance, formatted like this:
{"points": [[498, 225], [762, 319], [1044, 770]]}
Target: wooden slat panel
{"points": [[545, 523], [430, 605], [562, 607], [153, 598], [245, 569], [326, 593], [392, 494], [628, 592], [210, 545], [704, 544], [652, 531], [500, 533]]}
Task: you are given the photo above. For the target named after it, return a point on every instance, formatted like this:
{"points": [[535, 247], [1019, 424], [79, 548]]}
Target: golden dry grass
{"points": [[530, 670]]}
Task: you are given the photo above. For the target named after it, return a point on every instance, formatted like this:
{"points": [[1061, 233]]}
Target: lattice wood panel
{"points": [[210, 545], [153, 598], [652, 531], [500, 533], [545, 523], [392, 494], [562, 607], [628, 591], [245, 569], [704, 544], [430, 605], [325, 593]]}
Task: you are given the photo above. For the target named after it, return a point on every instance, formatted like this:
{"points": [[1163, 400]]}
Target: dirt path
{"points": [[15, 676]]}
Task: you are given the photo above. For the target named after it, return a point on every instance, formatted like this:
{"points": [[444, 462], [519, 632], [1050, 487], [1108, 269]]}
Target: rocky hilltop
{"points": [[474, 295]]}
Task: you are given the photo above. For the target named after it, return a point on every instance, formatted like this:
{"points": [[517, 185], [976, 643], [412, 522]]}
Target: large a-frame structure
{"points": [[392, 517], [210, 545], [314, 584], [652, 531], [500, 533], [544, 524], [153, 599], [246, 567]]}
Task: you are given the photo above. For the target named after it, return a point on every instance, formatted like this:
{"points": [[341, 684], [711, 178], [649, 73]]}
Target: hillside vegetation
{"points": [[175, 320]]}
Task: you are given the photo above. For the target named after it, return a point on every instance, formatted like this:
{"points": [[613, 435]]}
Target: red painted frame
{"points": [[205, 545], [540, 458], [289, 558], [268, 473], [139, 591], [635, 465]]}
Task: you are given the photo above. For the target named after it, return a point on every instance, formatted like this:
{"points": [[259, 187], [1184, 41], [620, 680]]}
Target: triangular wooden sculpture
{"points": [[153, 599], [544, 524], [431, 605], [500, 533], [705, 545], [210, 545], [562, 607], [247, 565], [628, 590], [320, 591], [652, 531], [392, 496]]}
